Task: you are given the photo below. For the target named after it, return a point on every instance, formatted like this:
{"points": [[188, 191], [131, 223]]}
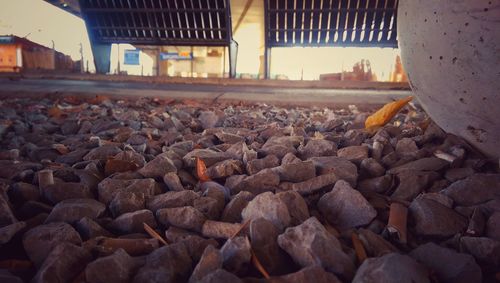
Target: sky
{"points": [[46, 24]]}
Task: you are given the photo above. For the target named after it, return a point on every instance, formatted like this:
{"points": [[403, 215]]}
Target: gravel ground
{"points": [[154, 190]]}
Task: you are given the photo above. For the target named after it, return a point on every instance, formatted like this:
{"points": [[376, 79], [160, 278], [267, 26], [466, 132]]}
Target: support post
{"points": [[233, 54], [102, 57], [267, 63]]}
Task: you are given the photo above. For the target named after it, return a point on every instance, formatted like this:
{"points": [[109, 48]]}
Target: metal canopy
{"points": [[159, 22], [363, 23]]}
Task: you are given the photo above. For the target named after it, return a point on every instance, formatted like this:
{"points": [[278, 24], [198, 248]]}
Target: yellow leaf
{"points": [[201, 170], [385, 114]]}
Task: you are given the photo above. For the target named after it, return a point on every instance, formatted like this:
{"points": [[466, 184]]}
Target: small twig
{"points": [[259, 266], [241, 228], [153, 234], [358, 247]]}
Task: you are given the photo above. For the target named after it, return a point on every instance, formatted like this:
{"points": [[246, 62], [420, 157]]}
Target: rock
{"points": [[7, 277], [158, 167], [210, 261], [72, 157], [63, 264], [475, 189], [39, 241], [316, 148], [22, 192], [9, 231], [6, 215], [423, 164], [270, 207], [314, 273], [102, 153], [236, 254], [172, 199], [225, 168], [455, 174], [391, 268], [229, 138], [109, 188], [209, 119], [412, 183], [221, 276], [371, 167], [133, 222], [406, 147], [442, 199], [256, 165], [345, 207], [493, 226], [310, 244], [485, 250], [210, 207], [124, 202], [170, 263], [296, 172], [58, 192], [355, 153], [447, 264], [173, 182], [263, 237], [232, 211], [90, 229], [311, 186], [374, 244], [290, 158], [377, 185], [208, 156], [281, 145], [72, 210], [186, 217], [431, 218], [264, 181], [297, 207], [343, 168], [196, 245], [116, 268], [131, 157]]}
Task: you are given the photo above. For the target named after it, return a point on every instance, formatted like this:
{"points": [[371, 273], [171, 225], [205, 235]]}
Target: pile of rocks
{"points": [[107, 191]]}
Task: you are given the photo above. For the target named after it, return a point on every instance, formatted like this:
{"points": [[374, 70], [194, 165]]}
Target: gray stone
{"points": [[109, 188], [6, 215], [172, 199], [116, 268], [371, 167], [310, 274], [170, 264], [186, 217], [256, 165], [406, 147], [9, 231], [60, 191], [374, 244], [210, 207], [268, 206], [211, 260], [221, 276], [210, 157], [225, 168], [7, 277], [447, 264], [124, 202], [133, 222], [102, 153], [209, 119], [316, 148], [38, 242], [355, 153], [423, 164], [90, 229], [493, 226], [232, 211], [378, 185], [22, 192], [412, 183], [229, 138], [475, 189], [391, 268], [297, 207], [173, 182], [236, 254], [311, 186], [345, 207], [264, 181], [158, 167], [63, 264], [343, 168], [455, 174], [442, 199], [72, 210], [296, 172], [431, 218], [72, 157], [290, 158], [310, 244], [485, 250]]}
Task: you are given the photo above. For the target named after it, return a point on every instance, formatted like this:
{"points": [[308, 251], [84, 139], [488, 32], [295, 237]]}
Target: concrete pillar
{"points": [[102, 57], [233, 55]]}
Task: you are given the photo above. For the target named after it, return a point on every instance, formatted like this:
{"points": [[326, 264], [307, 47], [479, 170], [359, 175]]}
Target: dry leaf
{"points": [[385, 114], [398, 215], [55, 112], [259, 266], [201, 170], [153, 234], [358, 248], [61, 148]]}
